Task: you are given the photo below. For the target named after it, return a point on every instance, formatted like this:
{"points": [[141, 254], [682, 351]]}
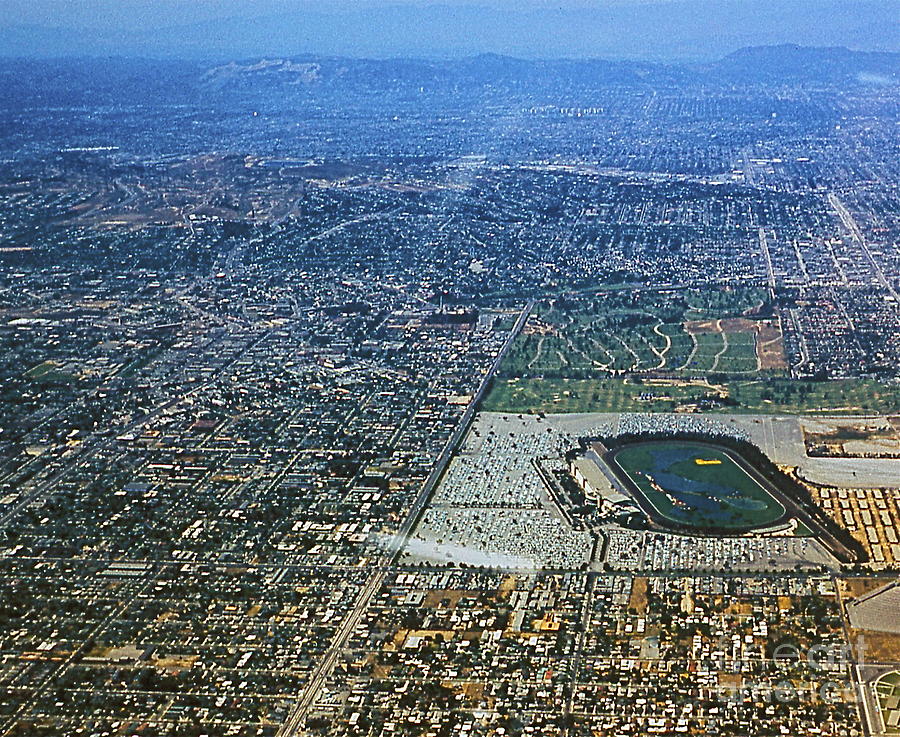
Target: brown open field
{"points": [[725, 325], [770, 346], [452, 597], [175, 661], [869, 438], [507, 587], [701, 326], [638, 598], [880, 647], [730, 680], [853, 588]]}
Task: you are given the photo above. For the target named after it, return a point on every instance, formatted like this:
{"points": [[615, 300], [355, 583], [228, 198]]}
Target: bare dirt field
{"points": [[851, 437], [768, 341]]}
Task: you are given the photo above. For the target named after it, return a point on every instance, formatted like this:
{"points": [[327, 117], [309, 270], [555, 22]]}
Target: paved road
{"points": [[850, 224], [767, 256], [294, 723]]}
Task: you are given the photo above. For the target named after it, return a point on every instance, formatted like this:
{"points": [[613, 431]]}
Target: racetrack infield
{"points": [[696, 486]]}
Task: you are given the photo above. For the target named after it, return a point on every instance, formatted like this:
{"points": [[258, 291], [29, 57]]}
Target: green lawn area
{"points": [[680, 347], [708, 345], [740, 358], [850, 396], [697, 485], [600, 352], [585, 335], [577, 395], [888, 689], [42, 369], [803, 531], [47, 372], [617, 394]]}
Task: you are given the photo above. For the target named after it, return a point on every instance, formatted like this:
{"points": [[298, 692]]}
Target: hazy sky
{"points": [[137, 14], [142, 14], [652, 29]]}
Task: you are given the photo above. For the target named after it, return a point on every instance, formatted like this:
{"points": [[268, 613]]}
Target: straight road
{"points": [[850, 224], [294, 723]]}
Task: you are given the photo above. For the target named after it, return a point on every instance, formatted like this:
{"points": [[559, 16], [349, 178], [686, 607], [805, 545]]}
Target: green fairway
{"points": [[580, 336], [47, 373], [665, 351], [697, 485], [888, 689], [621, 394]]}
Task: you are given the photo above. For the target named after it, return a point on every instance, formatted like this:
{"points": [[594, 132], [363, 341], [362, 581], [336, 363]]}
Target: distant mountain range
{"points": [[749, 65], [658, 30], [92, 81]]}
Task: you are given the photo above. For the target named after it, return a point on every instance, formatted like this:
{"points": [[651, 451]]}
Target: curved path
{"points": [[715, 363], [665, 350]]}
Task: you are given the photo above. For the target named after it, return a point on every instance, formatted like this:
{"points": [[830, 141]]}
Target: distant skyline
{"points": [[636, 29]]}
